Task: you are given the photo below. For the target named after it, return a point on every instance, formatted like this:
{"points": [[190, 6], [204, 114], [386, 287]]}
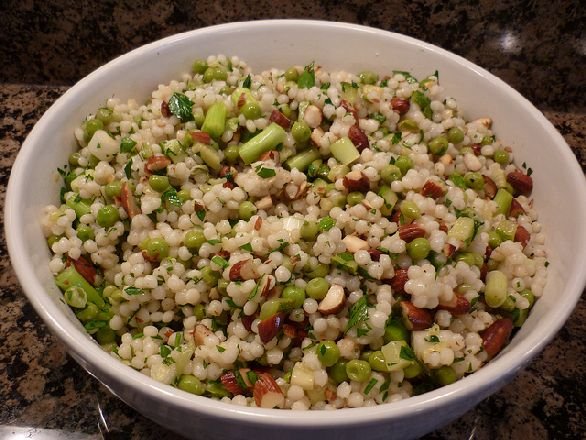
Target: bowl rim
{"points": [[493, 373]]}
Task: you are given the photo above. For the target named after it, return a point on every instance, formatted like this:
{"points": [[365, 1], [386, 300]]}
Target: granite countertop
{"points": [[537, 47]]}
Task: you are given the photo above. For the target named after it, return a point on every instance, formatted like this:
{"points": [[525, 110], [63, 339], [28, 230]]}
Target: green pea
{"points": [[494, 239], [191, 384], [410, 210], [156, 248], [368, 77], [198, 117], [438, 145], [269, 308], [390, 173], [52, 239], [108, 216], [364, 355], [408, 125], [223, 286], [321, 270], [404, 163], [474, 180], [199, 66], [199, 311], [328, 353], [300, 132], [105, 335], [209, 276], [159, 183], [395, 331], [377, 361], [291, 74], [217, 73], [74, 159], [246, 210], [231, 154], [84, 232], [470, 258], [358, 370], [76, 297], [501, 157], [317, 288], [444, 375], [251, 110], [455, 135], [338, 373], [287, 111], [194, 239], [295, 294], [419, 248], [309, 231], [91, 127], [92, 161], [105, 115], [112, 292], [90, 312], [354, 198], [113, 189], [183, 195], [413, 370], [509, 304], [487, 140]]}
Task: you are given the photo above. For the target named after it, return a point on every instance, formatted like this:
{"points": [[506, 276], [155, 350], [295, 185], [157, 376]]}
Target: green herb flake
{"points": [[247, 82], [94, 324], [214, 241], [246, 247], [407, 75], [165, 351], [170, 198], [201, 214], [133, 291], [216, 259], [378, 117], [220, 348], [180, 105], [127, 145], [384, 83], [128, 169], [137, 335], [370, 385], [325, 86], [265, 173], [328, 101], [407, 354], [397, 136], [326, 223], [322, 350], [358, 313], [307, 78], [433, 339], [252, 377]]}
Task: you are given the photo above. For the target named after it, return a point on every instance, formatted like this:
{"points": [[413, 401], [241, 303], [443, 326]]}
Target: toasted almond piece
{"points": [[267, 285], [333, 302], [449, 249], [522, 235], [458, 306], [398, 281], [354, 244], [400, 105], [495, 337], [356, 181], [410, 232], [202, 137], [165, 110], [522, 183], [85, 268], [200, 333], [128, 202], [415, 318], [269, 328], [358, 137], [231, 384], [267, 393], [243, 270], [490, 188], [279, 118], [270, 155], [157, 162], [433, 189], [446, 159], [516, 209]]}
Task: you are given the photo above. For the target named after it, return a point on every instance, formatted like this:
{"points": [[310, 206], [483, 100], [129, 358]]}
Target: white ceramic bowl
{"points": [[560, 197]]}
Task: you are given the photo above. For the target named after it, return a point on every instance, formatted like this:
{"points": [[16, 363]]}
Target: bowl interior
{"points": [[560, 194]]}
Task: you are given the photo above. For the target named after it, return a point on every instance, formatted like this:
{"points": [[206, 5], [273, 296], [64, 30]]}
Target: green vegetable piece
{"points": [[159, 183], [317, 288], [127, 145], [506, 230], [215, 120], [474, 181], [216, 389], [455, 135], [418, 249], [377, 361], [410, 210], [251, 110], [113, 189], [458, 180], [199, 66], [302, 160], [395, 331], [390, 173], [344, 151], [180, 105], [495, 291], [266, 140], [358, 370], [107, 216], [155, 248], [73, 159], [503, 200], [70, 277], [199, 312], [269, 308], [104, 114], [210, 156], [209, 276], [528, 294], [215, 73], [291, 74], [301, 132], [337, 372], [84, 232], [413, 370], [368, 77], [294, 294], [194, 239], [191, 384], [309, 231], [90, 312], [231, 154], [91, 126], [105, 335], [404, 163], [438, 145], [246, 210], [328, 353], [307, 78], [390, 199], [462, 229], [76, 297], [408, 125], [501, 157], [354, 198], [494, 239], [326, 223], [79, 205], [444, 375], [470, 258]]}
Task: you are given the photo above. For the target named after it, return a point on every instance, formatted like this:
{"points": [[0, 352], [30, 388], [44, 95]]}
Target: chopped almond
{"points": [[333, 302], [267, 393]]}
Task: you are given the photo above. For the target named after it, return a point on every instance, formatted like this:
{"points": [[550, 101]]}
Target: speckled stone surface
{"points": [[42, 387], [537, 46]]}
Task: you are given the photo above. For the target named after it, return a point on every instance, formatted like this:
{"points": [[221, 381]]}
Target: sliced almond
{"points": [[333, 302], [415, 318], [269, 328], [267, 393], [200, 333], [355, 244], [495, 337], [128, 202], [264, 203], [243, 270]]}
